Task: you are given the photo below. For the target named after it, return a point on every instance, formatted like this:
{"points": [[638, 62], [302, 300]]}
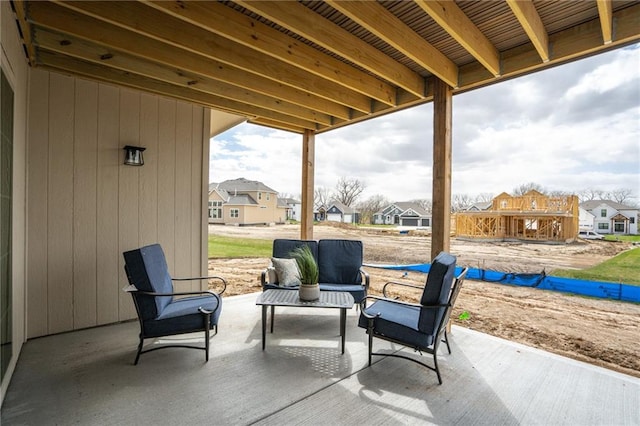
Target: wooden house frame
{"points": [[532, 216]]}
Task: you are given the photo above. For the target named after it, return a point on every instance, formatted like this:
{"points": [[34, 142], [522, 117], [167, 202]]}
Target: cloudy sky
{"points": [[569, 128]]}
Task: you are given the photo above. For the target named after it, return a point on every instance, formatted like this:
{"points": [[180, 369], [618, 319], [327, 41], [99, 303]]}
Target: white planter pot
{"points": [[309, 292]]}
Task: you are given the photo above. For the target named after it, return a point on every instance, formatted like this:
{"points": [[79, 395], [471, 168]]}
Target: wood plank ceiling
{"points": [[312, 64]]}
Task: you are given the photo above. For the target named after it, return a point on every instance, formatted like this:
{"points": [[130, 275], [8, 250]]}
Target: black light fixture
{"points": [[133, 155]]}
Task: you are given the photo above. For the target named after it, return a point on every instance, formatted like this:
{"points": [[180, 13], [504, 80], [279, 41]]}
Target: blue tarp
{"points": [[603, 290]]}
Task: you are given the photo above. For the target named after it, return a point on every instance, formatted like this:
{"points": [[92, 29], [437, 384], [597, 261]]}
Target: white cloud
{"points": [[565, 128], [608, 76]]}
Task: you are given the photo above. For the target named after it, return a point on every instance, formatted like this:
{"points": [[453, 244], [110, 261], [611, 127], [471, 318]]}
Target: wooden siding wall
{"points": [[85, 207]]}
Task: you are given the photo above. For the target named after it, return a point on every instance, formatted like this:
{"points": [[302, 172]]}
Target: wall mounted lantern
{"points": [[133, 155]]}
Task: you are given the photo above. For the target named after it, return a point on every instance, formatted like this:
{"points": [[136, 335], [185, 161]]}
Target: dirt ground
{"points": [[600, 332]]}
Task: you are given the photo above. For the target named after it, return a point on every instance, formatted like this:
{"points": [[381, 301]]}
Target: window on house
{"points": [[259, 195], [268, 196], [215, 210], [618, 227], [632, 220], [603, 226], [234, 213], [603, 212]]}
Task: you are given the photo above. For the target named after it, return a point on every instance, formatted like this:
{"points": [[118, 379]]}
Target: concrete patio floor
{"points": [[87, 377]]}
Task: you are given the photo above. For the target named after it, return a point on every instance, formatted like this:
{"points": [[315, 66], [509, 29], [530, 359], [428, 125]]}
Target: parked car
{"points": [[590, 235]]}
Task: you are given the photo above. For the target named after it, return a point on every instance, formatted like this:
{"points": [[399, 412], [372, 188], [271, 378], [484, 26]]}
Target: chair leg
{"points": [[436, 369], [446, 340], [370, 333], [139, 350], [207, 333]]}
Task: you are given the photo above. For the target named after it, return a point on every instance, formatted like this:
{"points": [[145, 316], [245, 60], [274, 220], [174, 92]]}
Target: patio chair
{"points": [[421, 326], [164, 312]]}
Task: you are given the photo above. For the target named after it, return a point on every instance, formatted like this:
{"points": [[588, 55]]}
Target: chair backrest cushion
{"points": [[340, 261], [147, 270], [283, 247], [437, 290]]}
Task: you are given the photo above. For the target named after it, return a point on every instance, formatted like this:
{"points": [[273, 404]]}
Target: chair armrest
{"points": [[224, 282], [365, 275], [181, 293], [384, 288], [363, 305]]}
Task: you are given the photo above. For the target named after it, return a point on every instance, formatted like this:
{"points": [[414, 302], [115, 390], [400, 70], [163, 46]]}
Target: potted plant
{"points": [[309, 273]]}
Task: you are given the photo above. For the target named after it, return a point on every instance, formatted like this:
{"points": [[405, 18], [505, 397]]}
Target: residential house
{"points": [[586, 219], [294, 208], [403, 214], [320, 213], [338, 212], [610, 217], [244, 202], [480, 206]]}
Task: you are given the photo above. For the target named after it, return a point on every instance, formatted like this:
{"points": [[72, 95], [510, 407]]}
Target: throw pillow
{"points": [[287, 271], [272, 277]]}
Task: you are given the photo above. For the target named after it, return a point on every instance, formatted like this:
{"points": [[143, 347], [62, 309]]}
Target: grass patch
{"points": [[623, 268], [627, 238], [229, 247]]}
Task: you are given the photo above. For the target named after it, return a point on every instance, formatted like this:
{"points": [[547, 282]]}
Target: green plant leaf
{"points": [[464, 316], [307, 266]]}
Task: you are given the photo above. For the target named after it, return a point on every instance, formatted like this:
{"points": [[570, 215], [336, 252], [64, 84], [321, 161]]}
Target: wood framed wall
{"points": [[532, 216]]}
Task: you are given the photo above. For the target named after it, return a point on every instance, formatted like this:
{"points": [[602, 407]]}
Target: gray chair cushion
{"points": [[283, 247], [397, 322], [436, 291], [340, 261], [148, 270]]}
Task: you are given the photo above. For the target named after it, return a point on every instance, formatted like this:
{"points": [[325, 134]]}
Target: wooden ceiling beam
{"points": [[299, 19], [226, 22], [274, 124], [110, 58], [154, 24], [379, 21], [605, 10], [528, 16], [453, 20], [25, 29], [67, 64], [114, 37], [569, 44]]}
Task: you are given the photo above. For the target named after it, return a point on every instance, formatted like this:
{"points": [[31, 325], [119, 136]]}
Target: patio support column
{"points": [[307, 188], [442, 123]]}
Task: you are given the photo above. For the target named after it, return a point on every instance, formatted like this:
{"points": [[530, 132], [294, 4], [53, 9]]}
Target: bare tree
{"points": [[526, 187], [461, 202], [558, 193], [282, 195], [424, 203], [621, 195], [348, 190], [590, 194], [484, 197], [321, 197], [368, 207]]}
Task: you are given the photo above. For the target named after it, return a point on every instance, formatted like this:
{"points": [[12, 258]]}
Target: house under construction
{"points": [[532, 216]]}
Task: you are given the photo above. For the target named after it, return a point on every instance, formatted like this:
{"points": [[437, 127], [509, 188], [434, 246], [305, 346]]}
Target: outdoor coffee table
{"points": [[328, 299]]}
